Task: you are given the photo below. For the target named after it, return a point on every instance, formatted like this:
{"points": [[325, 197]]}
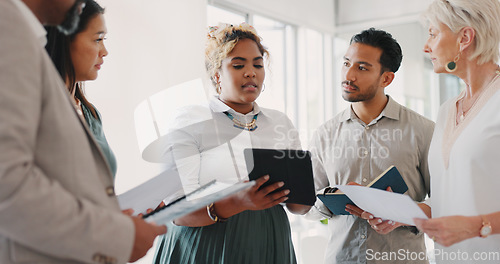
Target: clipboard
{"points": [[199, 198]]}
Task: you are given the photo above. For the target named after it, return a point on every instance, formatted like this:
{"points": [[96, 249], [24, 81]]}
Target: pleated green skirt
{"points": [[249, 237]]}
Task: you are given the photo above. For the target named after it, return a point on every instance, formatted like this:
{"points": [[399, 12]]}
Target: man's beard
{"points": [[70, 23], [360, 97]]}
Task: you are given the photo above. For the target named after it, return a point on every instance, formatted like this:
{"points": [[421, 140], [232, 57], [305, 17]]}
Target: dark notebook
{"points": [[336, 202], [293, 167]]}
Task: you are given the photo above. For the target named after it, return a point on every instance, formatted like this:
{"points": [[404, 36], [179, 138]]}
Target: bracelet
{"points": [[213, 215]]}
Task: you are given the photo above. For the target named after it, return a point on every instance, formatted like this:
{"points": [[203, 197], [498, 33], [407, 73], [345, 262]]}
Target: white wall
{"points": [[152, 45], [316, 14], [359, 11]]}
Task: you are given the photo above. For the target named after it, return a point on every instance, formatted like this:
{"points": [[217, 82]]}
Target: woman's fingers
{"points": [[354, 210], [274, 202], [278, 195], [128, 212], [271, 188], [260, 181], [366, 215], [162, 204]]}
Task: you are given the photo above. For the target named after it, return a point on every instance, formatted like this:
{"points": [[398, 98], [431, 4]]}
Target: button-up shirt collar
{"points": [[219, 107], [391, 110]]}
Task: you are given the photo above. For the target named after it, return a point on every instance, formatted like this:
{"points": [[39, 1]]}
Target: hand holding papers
{"points": [[150, 194], [336, 202], [202, 197], [386, 205], [167, 186]]}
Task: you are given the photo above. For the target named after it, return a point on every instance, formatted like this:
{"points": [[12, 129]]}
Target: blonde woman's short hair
{"points": [[482, 15], [221, 41]]}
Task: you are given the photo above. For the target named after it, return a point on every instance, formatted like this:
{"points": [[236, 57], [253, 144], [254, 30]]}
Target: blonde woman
{"points": [[464, 37]]}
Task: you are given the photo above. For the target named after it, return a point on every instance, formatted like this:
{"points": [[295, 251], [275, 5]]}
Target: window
{"points": [[273, 35], [311, 81]]}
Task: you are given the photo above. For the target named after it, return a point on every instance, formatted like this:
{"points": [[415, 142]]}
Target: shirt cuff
{"points": [[318, 211]]}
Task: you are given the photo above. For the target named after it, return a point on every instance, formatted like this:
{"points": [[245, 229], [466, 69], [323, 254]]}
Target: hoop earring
{"points": [[263, 87], [217, 87], [452, 65]]}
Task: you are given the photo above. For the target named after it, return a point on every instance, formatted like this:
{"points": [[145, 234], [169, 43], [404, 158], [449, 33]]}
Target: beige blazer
{"points": [[57, 203]]}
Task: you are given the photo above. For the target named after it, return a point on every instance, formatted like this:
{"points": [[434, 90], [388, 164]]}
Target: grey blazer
{"points": [[57, 203]]}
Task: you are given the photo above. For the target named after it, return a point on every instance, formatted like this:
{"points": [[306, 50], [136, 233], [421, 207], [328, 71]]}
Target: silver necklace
{"points": [[461, 112]]}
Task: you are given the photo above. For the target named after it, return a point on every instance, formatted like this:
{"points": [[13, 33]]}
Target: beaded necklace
{"points": [[245, 126]]}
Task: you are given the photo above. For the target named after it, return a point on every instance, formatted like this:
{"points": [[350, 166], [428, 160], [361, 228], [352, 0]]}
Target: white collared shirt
{"points": [[33, 22], [204, 144]]}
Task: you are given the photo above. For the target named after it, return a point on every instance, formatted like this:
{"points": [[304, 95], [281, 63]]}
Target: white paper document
{"points": [[205, 191], [383, 204], [194, 201], [165, 186]]}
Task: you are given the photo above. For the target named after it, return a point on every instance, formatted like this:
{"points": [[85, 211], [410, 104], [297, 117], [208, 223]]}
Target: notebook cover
{"points": [[336, 202]]}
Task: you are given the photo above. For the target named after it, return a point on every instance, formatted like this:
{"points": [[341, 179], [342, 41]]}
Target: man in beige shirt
{"points": [[361, 142]]}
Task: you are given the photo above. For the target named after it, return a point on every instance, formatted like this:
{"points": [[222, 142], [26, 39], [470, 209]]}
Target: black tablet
{"points": [[293, 167]]}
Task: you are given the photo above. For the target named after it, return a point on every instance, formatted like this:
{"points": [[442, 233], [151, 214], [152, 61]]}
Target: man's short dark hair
{"points": [[391, 51]]}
